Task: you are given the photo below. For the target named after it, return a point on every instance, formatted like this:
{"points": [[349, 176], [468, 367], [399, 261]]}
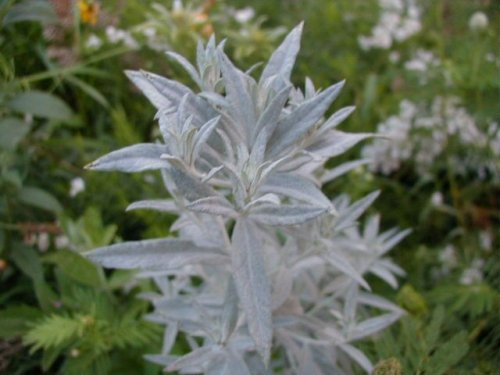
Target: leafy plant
{"points": [[266, 272], [423, 349]]}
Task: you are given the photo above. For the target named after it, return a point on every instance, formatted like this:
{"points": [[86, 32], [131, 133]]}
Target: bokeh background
{"points": [[424, 75]]}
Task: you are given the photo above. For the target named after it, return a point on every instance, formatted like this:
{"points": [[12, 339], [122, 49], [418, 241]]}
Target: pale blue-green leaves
{"points": [[136, 158], [252, 284], [164, 253], [243, 162]]}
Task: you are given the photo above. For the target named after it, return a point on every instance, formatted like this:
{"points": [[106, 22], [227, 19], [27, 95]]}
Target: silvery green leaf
{"points": [[334, 142], [136, 158], [283, 58], [378, 302], [188, 67], [196, 360], [211, 173], [295, 187], [394, 240], [282, 287], [202, 136], [252, 283], [295, 125], [358, 356], [351, 302], [215, 205], [229, 317], [337, 118], [148, 89], [271, 214], [233, 365], [269, 118], [371, 228], [188, 186], [154, 254], [266, 198], [217, 100], [372, 325], [338, 171], [343, 264], [391, 266], [169, 337], [162, 205], [241, 103], [174, 92], [382, 272], [348, 217]]}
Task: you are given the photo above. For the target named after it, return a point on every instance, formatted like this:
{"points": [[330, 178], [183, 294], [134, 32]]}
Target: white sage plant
{"points": [[266, 274]]}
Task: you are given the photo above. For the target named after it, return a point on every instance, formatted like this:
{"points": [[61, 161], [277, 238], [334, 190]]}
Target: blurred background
{"points": [[425, 74]]}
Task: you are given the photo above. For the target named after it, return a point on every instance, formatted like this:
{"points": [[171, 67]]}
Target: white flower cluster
{"points": [[473, 274], [421, 61], [116, 36], [399, 20], [415, 134], [478, 21]]}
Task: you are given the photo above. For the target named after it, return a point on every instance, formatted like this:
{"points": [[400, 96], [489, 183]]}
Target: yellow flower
{"points": [[89, 11]]}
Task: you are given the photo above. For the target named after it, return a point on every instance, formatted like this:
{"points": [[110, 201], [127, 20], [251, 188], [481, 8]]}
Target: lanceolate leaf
{"points": [[190, 69], [283, 59], [349, 216], [332, 174], [295, 125], [271, 214], [163, 205], [295, 187], [241, 103], [214, 205], [343, 264], [337, 118], [164, 253], [136, 158], [252, 284], [335, 142]]}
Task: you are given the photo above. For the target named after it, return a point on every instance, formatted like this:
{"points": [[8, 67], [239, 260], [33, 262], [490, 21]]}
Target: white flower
{"points": [[77, 186], [437, 199], [394, 57], [448, 256], [115, 36], [421, 61], [478, 21], [244, 15], [471, 276], [93, 42], [61, 242], [43, 241], [398, 21], [149, 32]]}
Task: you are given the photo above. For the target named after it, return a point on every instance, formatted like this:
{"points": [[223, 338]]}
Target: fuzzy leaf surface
{"points": [[164, 253], [252, 283]]}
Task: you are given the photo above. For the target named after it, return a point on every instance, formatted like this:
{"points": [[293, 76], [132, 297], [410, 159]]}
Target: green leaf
{"points": [[37, 197], [89, 90], [28, 261], [12, 131], [55, 331], [448, 354], [31, 10], [434, 327], [15, 320], [41, 104], [75, 267]]}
